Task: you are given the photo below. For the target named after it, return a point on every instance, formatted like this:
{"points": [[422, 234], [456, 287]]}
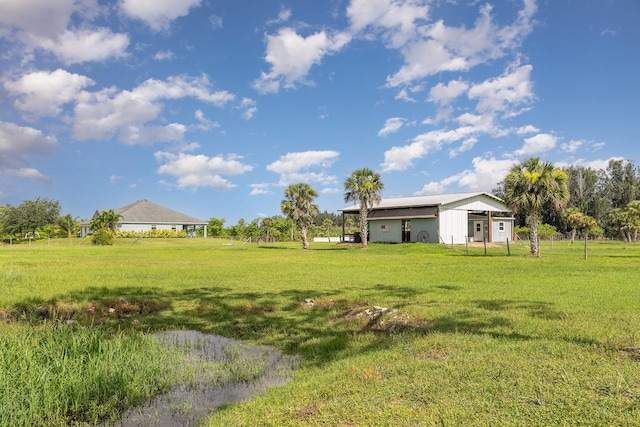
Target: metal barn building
{"points": [[445, 218]]}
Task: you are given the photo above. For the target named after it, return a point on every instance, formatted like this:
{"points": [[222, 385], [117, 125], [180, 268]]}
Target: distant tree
{"points": [[326, 226], [324, 215], [349, 223], [573, 218], [365, 187], [30, 215], [626, 221], [239, 229], [68, 225], [215, 227], [106, 219], [531, 186], [620, 183], [299, 207]]}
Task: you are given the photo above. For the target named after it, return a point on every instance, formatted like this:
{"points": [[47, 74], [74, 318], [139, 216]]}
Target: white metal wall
{"points": [[501, 236], [453, 224]]}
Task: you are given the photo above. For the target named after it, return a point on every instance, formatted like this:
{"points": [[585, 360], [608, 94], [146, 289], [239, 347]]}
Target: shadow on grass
{"points": [[538, 309], [317, 325]]}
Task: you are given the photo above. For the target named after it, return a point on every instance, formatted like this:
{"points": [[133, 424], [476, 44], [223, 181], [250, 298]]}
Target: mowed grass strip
{"points": [[466, 339]]}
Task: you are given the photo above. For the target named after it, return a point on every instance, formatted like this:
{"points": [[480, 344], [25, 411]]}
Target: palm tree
{"points": [[530, 187], [68, 225], [106, 219], [298, 206], [365, 187]]}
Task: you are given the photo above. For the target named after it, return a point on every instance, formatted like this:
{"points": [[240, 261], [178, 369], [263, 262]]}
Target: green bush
{"points": [[103, 237]]}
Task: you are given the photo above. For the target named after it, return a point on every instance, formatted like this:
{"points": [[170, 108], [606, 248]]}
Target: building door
{"points": [[406, 230], [478, 231]]}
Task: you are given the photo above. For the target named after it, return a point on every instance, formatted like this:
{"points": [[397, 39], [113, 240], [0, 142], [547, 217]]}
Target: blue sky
{"points": [[213, 107]]}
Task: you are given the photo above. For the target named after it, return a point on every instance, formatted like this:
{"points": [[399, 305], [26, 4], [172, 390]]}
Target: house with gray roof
{"points": [[144, 215], [445, 218]]}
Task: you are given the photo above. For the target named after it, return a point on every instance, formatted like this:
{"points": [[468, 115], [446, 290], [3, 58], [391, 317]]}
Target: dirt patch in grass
{"points": [[633, 352], [382, 319], [94, 312]]}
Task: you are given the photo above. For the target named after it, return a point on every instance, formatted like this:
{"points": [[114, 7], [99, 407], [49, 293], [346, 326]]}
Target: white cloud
{"points": [[47, 25], [396, 19], [392, 125], [18, 144], [164, 55], [43, 93], [571, 146], [32, 15], [445, 94], [430, 189], [443, 48], [193, 171], [260, 189], [73, 47], [103, 114], [466, 145], [401, 158], [291, 57], [527, 129], [537, 144], [250, 108], [157, 14], [486, 173], [500, 94], [216, 22], [403, 95], [291, 165], [283, 16], [205, 124]]}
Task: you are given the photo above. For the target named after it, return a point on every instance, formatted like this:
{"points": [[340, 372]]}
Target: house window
{"points": [[384, 228], [153, 226], [478, 227], [173, 228], [501, 226]]}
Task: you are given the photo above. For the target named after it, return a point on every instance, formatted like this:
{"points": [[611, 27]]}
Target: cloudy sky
{"points": [[213, 107]]}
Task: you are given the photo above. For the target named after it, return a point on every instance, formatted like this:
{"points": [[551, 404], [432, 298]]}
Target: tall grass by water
{"points": [[55, 375], [407, 334]]}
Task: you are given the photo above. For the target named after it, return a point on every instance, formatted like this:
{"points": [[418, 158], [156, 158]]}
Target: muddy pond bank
{"points": [[222, 371]]}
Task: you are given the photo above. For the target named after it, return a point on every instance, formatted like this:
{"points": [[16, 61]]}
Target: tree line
{"points": [[603, 201], [570, 200]]}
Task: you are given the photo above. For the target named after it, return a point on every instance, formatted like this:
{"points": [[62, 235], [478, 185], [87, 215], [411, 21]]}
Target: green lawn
{"points": [[468, 339]]}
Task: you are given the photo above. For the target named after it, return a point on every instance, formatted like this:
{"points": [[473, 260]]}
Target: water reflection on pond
{"points": [[225, 371]]}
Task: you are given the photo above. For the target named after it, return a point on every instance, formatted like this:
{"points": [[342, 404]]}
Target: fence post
{"points": [[484, 239], [508, 248]]}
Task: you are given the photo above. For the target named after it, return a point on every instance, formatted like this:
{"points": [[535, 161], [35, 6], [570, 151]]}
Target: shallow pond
{"points": [[224, 371]]}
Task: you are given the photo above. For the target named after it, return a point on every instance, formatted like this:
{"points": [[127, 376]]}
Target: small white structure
{"points": [[445, 218], [144, 215]]}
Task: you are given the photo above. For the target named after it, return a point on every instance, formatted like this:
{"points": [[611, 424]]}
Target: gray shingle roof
{"points": [[146, 212]]}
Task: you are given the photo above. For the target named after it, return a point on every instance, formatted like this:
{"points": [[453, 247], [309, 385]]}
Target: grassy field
{"points": [[394, 335]]}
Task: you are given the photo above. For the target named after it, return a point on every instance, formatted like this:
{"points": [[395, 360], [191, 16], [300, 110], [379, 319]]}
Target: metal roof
{"points": [[146, 212], [419, 201]]}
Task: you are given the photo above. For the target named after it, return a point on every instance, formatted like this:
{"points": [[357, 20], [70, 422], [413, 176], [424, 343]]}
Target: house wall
{"points": [[429, 225], [453, 225], [386, 230], [147, 227], [501, 236]]}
